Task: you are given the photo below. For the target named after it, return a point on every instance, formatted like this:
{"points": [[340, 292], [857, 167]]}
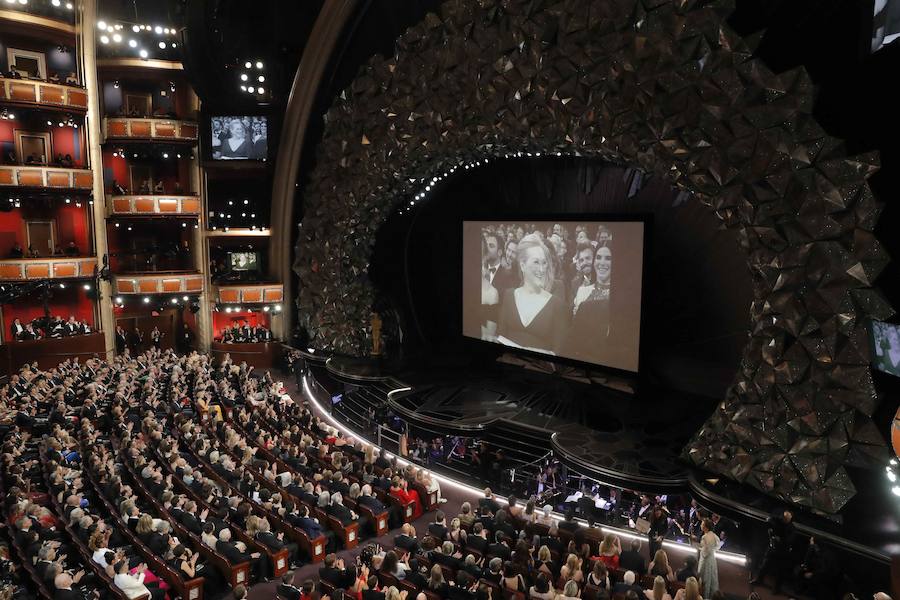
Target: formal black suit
{"points": [[408, 543], [437, 530], [341, 513], [288, 592], [501, 550], [66, 595], [337, 577], [630, 560], [230, 551], [477, 543]]}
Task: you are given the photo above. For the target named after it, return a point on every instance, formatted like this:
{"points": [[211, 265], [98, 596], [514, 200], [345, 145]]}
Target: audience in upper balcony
{"points": [[243, 333], [58, 77], [48, 327]]}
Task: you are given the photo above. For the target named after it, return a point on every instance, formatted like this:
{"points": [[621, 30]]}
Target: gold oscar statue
{"points": [[376, 334]]}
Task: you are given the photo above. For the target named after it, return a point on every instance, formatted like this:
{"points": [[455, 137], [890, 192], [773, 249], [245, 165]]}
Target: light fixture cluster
{"points": [[68, 122], [173, 301], [892, 470], [237, 309], [253, 79], [54, 3], [5, 114], [114, 33], [157, 153], [16, 202], [430, 184]]}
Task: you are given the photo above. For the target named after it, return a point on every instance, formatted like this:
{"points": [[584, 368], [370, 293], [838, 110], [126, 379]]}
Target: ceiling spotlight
{"points": [[135, 28], [260, 79], [117, 37], [104, 39], [174, 300], [158, 29], [132, 44], [185, 298], [277, 308], [101, 25], [143, 54], [259, 64], [146, 299], [116, 82], [228, 309], [87, 286], [162, 45], [62, 286], [178, 155], [166, 30], [165, 155], [265, 309], [243, 88], [246, 201], [69, 5], [174, 45], [243, 77], [260, 90], [55, 2], [119, 300], [247, 64], [251, 89]]}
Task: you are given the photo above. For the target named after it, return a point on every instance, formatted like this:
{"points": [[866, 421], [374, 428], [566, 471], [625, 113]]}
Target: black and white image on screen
{"points": [[239, 138], [885, 23], [550, 288], [886, 346]]}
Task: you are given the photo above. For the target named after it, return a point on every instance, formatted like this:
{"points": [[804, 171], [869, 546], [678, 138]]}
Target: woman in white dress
{"points": [[708, 571]]}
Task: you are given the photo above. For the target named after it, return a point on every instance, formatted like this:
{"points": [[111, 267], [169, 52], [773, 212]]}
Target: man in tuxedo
{"points": [[275, 542], [632, 560], [334, 572], [492, 261], [438, 528], [339, 485], [235, 555], [30, 333], [17, 329], [777, 559], [407, 539], [286, 589], [121, 340], [488, 504], [584, 264], [499, 547], [627, 585], [64, 588], [72, 327]]}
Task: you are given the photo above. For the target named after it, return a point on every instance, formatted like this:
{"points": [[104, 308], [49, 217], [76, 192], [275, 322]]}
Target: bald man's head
{"points": [[62, 581], [882, 596]]}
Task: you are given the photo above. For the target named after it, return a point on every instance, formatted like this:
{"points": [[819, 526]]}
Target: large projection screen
{"points": [[562, 288]]}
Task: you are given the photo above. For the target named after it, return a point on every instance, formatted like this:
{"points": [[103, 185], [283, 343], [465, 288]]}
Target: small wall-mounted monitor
{"points": [[243, 261], [886, 347], [239, 137]]}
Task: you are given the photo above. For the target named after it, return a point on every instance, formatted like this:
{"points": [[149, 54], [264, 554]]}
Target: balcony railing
{"points": [[25, 269], [154, 205], [46, 177], [44, 94], [249, 293], [159, 283], [147, 128]]}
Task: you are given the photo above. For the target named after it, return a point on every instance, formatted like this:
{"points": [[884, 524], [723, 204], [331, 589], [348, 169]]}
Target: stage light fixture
{"points": [[247, 65], [101, 25], [259, 64], [246, 201], [244, 77], [162, 45], [104, 39], [158, 29], [277, 308], [69, 5], [185, 298], [165, 155], [184, 225], [146, 299], [62, 286], [251, 89], [228, 309], [55, 2], [117, 37], [174, 300], [243, 88], [261, 91], [68, 200], [117, 225], [174, 45], [143, 54], [87, 286], [265, 309], [119, 300], [135, 28], [261, 79]]}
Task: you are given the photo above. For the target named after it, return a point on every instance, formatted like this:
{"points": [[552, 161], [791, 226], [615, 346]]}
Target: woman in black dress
{"points": [[531, 317], [238, 143]]}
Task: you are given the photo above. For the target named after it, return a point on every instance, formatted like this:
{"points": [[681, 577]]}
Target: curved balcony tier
{"points": [[26, 92], [159, 283], [149, 129], [152, 205], [249, 293], [57, 178], [30, 269]]}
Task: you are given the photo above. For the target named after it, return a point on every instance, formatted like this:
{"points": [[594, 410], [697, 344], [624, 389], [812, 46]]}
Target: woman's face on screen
{"points": [[237, 129], [534, 267], [603, 264]]}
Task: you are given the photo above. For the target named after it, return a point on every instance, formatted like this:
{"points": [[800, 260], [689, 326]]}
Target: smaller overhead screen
{"points": [[239, 138], [885, 23], [243, 261], [886, 347]]}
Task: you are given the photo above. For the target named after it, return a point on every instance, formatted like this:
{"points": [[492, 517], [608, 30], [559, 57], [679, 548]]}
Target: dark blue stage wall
{"points": [[696, 287]]}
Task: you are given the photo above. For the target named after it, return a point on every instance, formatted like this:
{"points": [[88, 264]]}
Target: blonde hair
{"points": [[659, 588], [691, 589], [544, 554], [608, 545], [144, 524], [533, 241], [571, 589], [661, 559]]}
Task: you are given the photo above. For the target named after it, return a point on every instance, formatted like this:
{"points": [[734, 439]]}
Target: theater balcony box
{"points": [[41, 94], [261, 355], [149, 129], [250, 293], [150, 205], [54, 178], [25, 269], [50, 352], [159, 283]]}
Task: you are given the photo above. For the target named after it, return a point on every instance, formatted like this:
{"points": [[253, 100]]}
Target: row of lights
{"points": [[129, 228], [122, 154], [237, 309], [70, 122], [56, 3], [250, 82], [432, 183], [5, 114], [174, 300], [112, 35]]}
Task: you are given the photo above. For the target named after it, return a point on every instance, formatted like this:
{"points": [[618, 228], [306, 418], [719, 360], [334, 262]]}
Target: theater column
{"points": [[88, 34], [200, 242]]}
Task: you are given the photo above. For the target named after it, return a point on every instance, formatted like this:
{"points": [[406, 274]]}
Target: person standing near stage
{"points": [[777, 559], [155, 337], [708, 570]]}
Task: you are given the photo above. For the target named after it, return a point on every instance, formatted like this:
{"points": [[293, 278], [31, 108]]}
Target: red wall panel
{"points": [[72, 300], [223, 320]]}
